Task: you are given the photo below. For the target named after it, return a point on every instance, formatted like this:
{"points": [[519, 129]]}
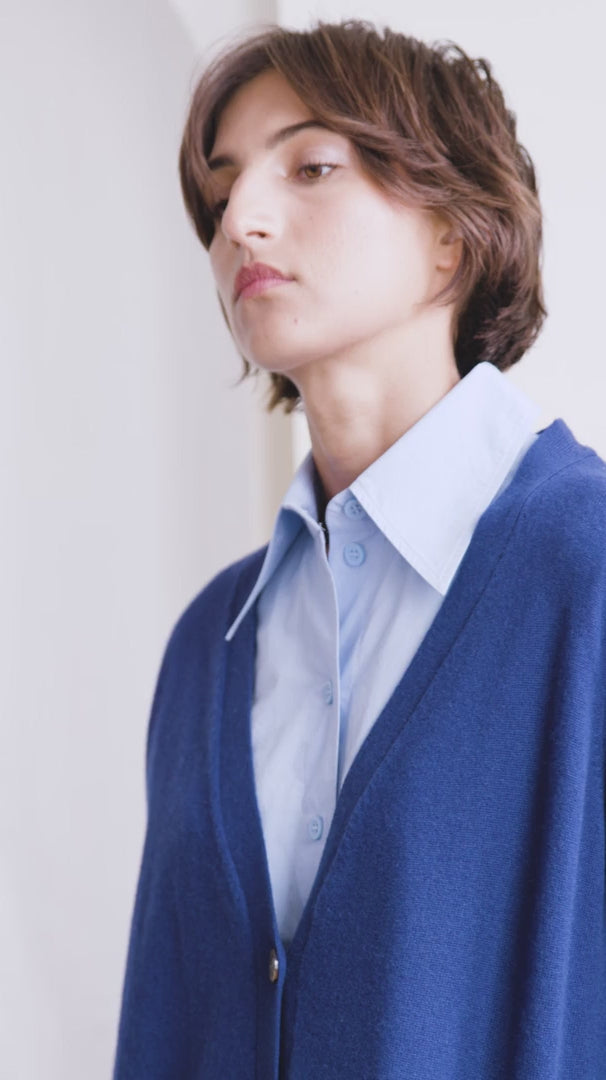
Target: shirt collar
{"points": [[297, 509], [428, 490]]}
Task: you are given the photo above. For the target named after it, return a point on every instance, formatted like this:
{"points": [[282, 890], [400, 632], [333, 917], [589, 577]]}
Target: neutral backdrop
{"points": [[132, 466]]}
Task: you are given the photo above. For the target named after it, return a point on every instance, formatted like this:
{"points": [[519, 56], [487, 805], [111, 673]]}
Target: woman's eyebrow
{"points": [[278, 136]]}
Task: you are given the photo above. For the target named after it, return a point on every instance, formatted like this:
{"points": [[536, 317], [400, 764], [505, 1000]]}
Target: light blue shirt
{"points": [[336, 631]]}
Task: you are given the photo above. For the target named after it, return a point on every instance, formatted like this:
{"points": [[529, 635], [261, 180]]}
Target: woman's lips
{"points": [[260, 285]]}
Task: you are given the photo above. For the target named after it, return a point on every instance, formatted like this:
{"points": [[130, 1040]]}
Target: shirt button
{"points": [[353, 508], [327, 693], [274, 965], [354, 554], [315, 828]]}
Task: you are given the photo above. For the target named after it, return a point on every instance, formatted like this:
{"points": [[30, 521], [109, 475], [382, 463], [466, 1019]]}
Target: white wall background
{"points": [[132, 470]]}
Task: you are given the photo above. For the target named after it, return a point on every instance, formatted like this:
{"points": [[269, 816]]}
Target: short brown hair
{"points": [[431, 126]]}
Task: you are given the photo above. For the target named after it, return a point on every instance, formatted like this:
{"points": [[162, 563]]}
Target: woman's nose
{"points": [[251, 208]]}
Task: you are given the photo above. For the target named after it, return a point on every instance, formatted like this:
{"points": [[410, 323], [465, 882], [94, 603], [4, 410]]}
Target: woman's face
{"points": [[359, 262]]}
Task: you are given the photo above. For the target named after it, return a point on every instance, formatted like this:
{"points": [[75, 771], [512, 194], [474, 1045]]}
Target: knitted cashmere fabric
{"points": [[456, 926]]}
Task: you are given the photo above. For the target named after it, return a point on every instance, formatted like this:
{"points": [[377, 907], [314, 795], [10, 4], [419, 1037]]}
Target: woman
{"points": [[375, 762]]}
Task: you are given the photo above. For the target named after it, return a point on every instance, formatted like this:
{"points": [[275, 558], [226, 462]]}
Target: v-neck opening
{"points": [[554, 448]]}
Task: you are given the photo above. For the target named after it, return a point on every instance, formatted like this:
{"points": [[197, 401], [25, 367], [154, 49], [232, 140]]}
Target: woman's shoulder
{"points": [[575, 491], [562, 519]]}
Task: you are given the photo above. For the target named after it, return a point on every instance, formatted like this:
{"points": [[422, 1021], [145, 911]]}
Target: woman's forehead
{"points": [[260, 117], [268, 100]]}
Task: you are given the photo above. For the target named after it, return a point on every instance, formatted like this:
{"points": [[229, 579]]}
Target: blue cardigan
{"points": [[456, 927]]}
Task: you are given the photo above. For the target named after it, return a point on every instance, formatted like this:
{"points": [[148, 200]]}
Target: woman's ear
{"points": [[450, 248]]}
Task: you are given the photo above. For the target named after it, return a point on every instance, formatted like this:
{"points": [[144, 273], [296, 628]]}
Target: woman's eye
{"points": [[317, 165], [219, 207]]}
